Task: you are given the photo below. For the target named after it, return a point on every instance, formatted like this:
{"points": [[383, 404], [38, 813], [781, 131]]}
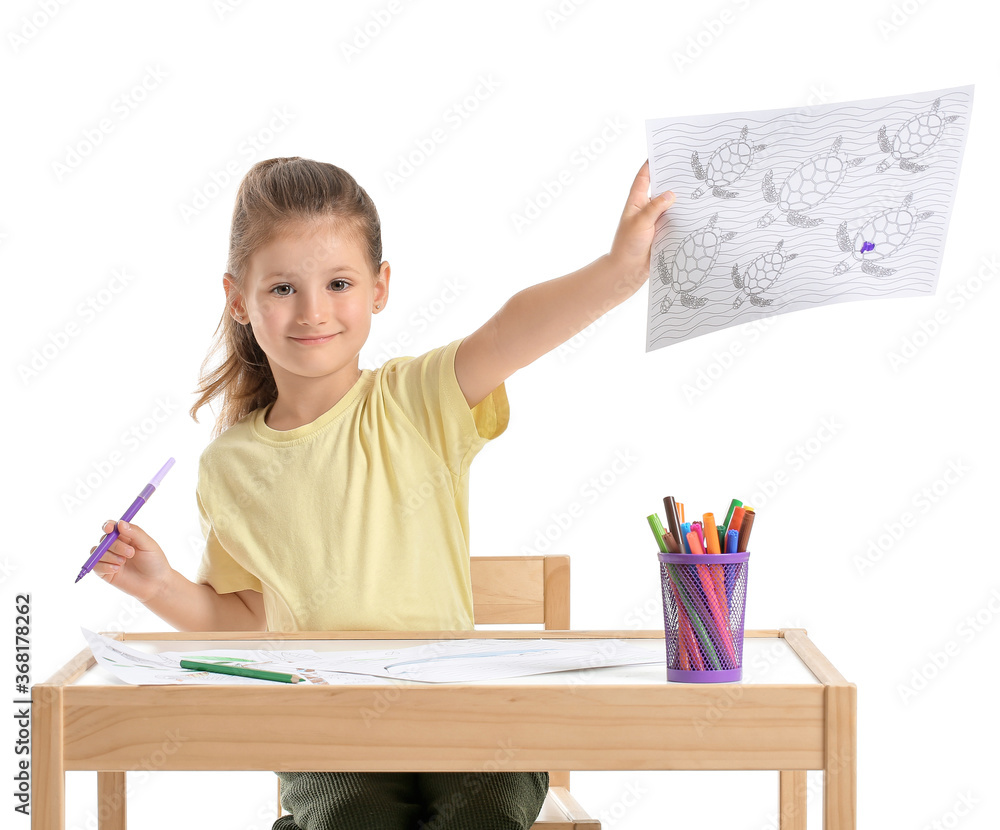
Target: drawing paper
{"points": [[437, 662], [789, 209]]}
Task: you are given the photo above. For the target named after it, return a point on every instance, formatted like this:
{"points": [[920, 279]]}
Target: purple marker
{"points": [[109, 538]]}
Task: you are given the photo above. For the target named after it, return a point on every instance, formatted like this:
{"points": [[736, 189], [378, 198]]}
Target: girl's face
{"points": [[309, 295]]}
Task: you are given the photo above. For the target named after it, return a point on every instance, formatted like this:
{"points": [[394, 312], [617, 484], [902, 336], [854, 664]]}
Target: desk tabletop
{"points": [[766, 659], [789, 713]]}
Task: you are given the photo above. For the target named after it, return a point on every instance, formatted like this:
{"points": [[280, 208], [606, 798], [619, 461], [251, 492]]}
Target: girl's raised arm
{"points": [[539, 318]]}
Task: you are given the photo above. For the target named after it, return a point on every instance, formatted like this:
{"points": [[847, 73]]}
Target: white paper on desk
{"points": [[789, 209], [141, 668], [488, 659]]}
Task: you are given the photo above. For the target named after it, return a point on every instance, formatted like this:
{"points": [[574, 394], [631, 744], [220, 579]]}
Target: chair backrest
{"points": [[521, 589]]}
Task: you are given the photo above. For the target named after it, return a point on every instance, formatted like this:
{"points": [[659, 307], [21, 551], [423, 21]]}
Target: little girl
{"points": [[306, 493]]}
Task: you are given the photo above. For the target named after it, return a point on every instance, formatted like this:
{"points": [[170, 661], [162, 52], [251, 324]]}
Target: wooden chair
{"points": [[528, 589]]}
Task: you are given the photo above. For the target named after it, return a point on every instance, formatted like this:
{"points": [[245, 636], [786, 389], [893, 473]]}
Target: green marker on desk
{"points": [[239, 671]]}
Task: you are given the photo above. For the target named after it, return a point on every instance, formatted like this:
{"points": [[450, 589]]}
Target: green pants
{"points": [[411, 800]]}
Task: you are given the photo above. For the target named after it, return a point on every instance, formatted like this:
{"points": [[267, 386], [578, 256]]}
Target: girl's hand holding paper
{"points": [[633, 240]]}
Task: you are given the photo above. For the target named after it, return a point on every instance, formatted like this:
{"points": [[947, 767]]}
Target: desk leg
{"points": [[111, 808], [48, 773], [840, 772], [792, 792]]}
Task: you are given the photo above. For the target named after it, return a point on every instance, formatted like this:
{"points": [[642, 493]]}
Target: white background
{"points": [[519, 92]]}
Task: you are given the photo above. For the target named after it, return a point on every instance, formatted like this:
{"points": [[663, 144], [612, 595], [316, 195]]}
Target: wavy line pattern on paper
{"points": [[785, 210]]}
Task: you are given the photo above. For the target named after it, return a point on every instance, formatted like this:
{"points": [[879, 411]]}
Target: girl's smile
{"points": [[314, 340]]}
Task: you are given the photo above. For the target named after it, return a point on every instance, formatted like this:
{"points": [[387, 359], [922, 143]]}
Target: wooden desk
{"points": [[792, 712]]}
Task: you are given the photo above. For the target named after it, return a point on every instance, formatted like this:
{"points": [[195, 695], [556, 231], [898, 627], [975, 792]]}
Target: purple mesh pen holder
{"points": [[704, 604]]}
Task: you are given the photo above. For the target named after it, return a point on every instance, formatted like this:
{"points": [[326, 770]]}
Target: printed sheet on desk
{"points": [[446, 661], [143, 668]]}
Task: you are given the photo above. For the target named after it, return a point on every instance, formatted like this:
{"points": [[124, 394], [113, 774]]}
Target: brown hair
{"points": [[274, 196]]}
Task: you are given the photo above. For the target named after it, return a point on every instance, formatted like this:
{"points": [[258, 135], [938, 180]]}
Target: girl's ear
{"points": [[234, 300], [382, 286]]}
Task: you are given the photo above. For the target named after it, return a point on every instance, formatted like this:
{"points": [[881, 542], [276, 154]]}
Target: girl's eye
{"points": [[285, 290]]}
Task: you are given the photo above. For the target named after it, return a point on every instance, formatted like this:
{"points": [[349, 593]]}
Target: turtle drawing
{"points": [[879, 238], [692, 261], [915, 138], [726, 166], [760, 275], [809, 184]]}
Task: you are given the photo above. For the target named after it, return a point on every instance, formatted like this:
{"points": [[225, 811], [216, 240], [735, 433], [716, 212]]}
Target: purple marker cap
{"points": [[155, 480]]}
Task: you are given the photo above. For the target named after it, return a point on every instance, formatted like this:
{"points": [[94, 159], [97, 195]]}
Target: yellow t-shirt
{"points": [[358, 520]]}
